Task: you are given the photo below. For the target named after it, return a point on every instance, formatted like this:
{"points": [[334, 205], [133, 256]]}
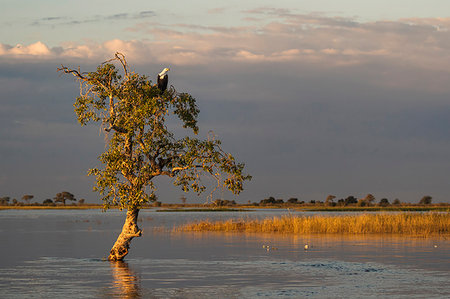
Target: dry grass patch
{"points": [[401, 223]]}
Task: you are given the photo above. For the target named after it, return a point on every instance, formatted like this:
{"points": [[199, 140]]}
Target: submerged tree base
{"points": [[402, 223], [129, 231]]}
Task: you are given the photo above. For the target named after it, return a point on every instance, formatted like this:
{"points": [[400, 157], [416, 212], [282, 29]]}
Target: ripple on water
{"points": [[182, 278]]}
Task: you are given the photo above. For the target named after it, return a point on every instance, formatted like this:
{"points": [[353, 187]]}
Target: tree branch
{"points": [[70, 71], [116, 128]]}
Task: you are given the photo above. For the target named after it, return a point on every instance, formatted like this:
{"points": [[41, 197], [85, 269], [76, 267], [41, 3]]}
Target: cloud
{"points": [[403, 53], [38, 49], [407, 39], [396, 53], [328, 104], [67, 20]]}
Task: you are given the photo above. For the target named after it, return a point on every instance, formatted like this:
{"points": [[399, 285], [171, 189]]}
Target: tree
{"points": [[48, 202], [350, 200], [384, 202], [293, 200], [27, 198], [270, 200], [396, 202], [426, 200], [223, 202], [361, 202], [4, 201], [369, 199], [63, 196], [329, 200], [141, 146]]}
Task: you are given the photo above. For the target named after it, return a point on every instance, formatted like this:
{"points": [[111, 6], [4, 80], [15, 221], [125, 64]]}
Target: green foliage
{"points": [[140, 146]]}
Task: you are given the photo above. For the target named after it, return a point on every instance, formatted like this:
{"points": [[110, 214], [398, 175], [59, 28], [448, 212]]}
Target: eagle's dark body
{"points": [[163, 80]]}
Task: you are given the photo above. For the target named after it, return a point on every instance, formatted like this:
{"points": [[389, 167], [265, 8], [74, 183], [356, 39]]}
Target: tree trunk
{"points": [[129, 230]]}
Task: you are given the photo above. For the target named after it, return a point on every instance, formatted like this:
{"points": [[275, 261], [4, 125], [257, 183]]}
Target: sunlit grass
{"points": [[401, 223]]}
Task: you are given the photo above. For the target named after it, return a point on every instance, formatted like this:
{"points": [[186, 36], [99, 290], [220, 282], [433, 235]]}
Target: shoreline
{"points": [[245, 207]]}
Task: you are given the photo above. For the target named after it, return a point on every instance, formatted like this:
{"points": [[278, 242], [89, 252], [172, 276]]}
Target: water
{"points": [[59, 254]]}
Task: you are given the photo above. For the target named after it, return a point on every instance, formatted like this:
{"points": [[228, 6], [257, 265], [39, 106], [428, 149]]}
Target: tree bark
{"points": [[129, 230]]}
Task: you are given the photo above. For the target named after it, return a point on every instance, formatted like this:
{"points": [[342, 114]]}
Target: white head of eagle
{"points": [[163, 79]]}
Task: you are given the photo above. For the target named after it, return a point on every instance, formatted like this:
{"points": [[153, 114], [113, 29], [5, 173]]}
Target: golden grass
{"points": [[402, 223]]}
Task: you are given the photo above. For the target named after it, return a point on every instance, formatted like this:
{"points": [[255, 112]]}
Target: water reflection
{"points": [[125, 281], [47, 257]]}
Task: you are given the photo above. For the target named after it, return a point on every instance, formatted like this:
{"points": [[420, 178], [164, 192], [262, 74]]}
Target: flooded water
{"points": [[60, 254]]}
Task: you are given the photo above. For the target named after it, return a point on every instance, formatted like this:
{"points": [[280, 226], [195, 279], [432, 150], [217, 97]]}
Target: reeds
{"points": [[401, 223]]}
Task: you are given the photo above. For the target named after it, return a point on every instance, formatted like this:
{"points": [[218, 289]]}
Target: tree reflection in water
{"points": [[125, 281]]}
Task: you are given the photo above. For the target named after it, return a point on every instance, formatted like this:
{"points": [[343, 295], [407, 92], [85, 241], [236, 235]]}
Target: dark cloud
{"points": [[313, 105], [306, 134]]}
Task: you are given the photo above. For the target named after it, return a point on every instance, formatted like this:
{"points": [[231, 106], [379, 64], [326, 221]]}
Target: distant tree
{"points": [[426, 200], [15, 202], [384, 202], [270, 200], [350, 200], [292, 200], [329, 200], [27, 198], [183, 199], [396, 201], [369, 199], [48, 202], [4, 201], [362, 202], [223, 202], [218, 203], [63, 196], [81, 201]]}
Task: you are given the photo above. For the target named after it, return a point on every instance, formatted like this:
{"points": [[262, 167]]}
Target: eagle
{"points": [[163, 79]]}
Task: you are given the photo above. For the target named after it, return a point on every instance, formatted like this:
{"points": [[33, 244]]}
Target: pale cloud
{"points": [[36, 49], [411, 45]]}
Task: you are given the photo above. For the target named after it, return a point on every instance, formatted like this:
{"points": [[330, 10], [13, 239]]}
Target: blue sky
{"points": [[316, 97]]}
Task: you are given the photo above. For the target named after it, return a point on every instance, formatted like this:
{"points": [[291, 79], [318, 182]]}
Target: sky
{"points": [[315, 97]]}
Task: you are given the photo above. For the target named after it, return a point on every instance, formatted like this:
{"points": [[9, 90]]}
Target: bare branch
{"points": [[76, 73]]}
